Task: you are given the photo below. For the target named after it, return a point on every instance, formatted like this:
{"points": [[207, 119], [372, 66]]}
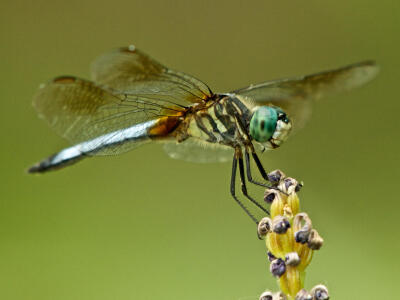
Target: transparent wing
{"points": [[80, 110], [293, 95], [130, 70], [193, 150]]}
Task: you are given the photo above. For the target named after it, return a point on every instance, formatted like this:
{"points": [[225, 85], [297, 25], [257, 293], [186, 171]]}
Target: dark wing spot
{"points": [[65, 79]]}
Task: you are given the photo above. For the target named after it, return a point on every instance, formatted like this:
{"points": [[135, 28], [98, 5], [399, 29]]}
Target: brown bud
{"points": [[267, 295], [303, 231], [277, 267], [271, 257], [280, 224], [315, 241], [288, 185], [320, 292], [264, 226], [292, 259], [269, 195], [275, 177], [303, 295]]}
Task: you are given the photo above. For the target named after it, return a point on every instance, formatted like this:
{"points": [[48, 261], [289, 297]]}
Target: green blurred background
{"points": [[143, 226]]}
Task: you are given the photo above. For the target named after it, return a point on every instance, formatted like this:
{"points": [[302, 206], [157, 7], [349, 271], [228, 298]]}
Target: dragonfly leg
{"points": [[243, 184], [248, 172], [261, 170], [259, 165], [255, 157], [233, 184]]}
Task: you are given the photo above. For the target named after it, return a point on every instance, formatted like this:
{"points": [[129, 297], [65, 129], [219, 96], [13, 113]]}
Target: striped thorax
{"points": [[218, 123], [232, 121]]}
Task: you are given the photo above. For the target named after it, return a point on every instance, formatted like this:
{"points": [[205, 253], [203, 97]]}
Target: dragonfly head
{"points": [[269, 126]]}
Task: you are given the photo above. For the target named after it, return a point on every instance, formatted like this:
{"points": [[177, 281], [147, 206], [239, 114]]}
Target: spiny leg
{"points": [[271, 178], [262, 172], [257, 161], [248, 172], [243, 183], [233, 185]]}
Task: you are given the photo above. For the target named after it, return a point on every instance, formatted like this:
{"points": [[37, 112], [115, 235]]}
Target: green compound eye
{"points": [[263, 123]]}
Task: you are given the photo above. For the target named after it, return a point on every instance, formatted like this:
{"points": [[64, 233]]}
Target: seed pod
{"points": [[280, 224], [271, 257], [292, 259], [315, 241], [288, 185], [320, 292], [269, 195], [267, 295], [288, 182], [275, 177], [264, 227], [277, 267], [303, 295], [298, 187], [302, 232]]}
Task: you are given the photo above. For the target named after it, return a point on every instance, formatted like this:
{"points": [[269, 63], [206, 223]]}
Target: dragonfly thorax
{"points": [[269, 126]]}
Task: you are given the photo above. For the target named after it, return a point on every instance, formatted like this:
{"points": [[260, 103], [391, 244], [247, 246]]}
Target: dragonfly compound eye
{"points": [[263, 123]]}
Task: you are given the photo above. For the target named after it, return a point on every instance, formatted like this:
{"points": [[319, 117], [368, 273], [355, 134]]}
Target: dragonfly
{"points": [[133, 100]]}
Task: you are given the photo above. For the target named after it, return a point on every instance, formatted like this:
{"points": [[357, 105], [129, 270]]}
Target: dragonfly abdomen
{"points": [[104, 144]]}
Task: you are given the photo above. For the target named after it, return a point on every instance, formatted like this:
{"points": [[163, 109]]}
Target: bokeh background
{"points": [[143, 226]]}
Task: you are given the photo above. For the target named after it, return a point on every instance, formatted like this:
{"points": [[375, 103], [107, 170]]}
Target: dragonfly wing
{"points": [[294, 95], [192, 150], [81, 111], [130, 70]]}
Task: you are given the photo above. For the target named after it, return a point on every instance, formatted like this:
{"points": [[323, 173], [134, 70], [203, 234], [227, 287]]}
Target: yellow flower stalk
{"points": [[291, 241]]}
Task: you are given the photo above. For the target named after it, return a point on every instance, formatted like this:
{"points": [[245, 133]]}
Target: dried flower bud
{"points": [[298, 187], [278, 267], [264, 226], [275, 176], [288, 182], [315, 241], [269, 196], [303, 295], [288, 185], [292, 259], [267, 295], [320, 292], [303, 232], [301, 236], [280, 224], [271, 257]]}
